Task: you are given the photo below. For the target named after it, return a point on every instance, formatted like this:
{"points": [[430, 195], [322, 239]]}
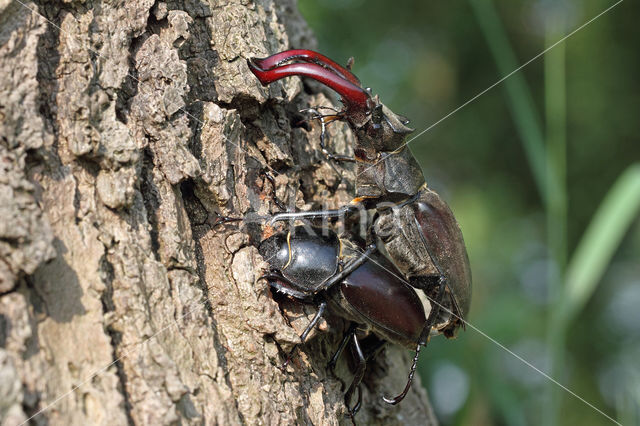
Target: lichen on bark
{"points": [[124, 129]]}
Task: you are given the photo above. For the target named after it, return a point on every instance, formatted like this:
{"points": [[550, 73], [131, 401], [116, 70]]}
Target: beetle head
{"points": [[378, 129], [383, 131]]}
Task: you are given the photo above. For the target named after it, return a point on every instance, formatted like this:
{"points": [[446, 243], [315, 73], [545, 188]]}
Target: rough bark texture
{"points": [[124, 127]]}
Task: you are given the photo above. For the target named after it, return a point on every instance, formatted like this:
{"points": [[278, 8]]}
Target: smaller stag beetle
{"points": [[308, 266], [413, 227]]}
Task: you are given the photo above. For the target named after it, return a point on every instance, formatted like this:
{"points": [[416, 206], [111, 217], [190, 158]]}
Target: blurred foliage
{"points": [[555, 287]]}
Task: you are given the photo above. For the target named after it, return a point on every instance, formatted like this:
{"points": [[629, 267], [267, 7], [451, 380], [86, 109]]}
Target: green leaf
{"points": [[519, 98], [601, 239]]}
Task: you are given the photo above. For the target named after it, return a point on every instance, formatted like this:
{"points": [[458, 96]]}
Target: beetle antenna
{"points": [[397, 399]]}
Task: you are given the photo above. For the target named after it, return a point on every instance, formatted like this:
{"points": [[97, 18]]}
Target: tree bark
{"points": [[125, 129]]}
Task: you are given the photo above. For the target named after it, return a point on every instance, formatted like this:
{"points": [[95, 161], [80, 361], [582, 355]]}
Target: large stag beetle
{"points": [[412, 227]]}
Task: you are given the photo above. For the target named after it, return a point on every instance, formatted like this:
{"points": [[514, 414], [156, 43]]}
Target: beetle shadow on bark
{"points": [[59, 287]]}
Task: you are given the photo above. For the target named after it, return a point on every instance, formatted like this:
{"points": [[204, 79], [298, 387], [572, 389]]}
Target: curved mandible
{"points": [[306, 56], [353, 95]]}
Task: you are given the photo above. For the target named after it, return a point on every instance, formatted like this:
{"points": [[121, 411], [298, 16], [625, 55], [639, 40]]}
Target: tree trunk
{"points": [[125, 129]]}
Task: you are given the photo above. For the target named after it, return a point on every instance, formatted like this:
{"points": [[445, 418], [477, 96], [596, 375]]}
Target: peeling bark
{"points": [[124, 129]]}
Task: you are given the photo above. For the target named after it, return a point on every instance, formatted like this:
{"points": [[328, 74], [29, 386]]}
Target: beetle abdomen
{"points": [[377, 292]]}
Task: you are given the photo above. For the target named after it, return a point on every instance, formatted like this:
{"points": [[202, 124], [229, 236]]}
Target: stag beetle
{"points": [[305, 264], [414, 228]]}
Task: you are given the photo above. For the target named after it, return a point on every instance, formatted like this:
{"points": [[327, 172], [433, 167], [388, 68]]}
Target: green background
{"points": [[543, 174]]}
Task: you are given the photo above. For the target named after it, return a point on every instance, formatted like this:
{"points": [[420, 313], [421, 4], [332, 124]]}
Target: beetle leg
{"points": [[217, 219], [268, 176], [315, 109], [373, 350], [348, 269], [356, 408], [424, 338], [321, 308], [397, 399], [303, 337], [316, 214], [222, 220], [325, 151], [325, 119], [347, 336], [357, 378]]}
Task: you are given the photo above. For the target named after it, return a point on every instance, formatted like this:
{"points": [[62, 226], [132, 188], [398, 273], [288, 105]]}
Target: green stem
{"points": [[556, 208], [521, 105]]}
